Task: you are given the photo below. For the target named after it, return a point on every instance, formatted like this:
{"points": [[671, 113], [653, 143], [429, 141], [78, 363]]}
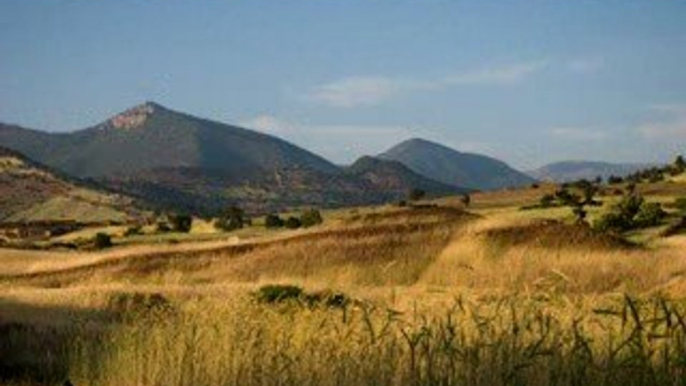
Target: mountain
{"points": [[567, 171], [452, 167], [397, 179], [150, 136], [33, 192], [168, 159]]}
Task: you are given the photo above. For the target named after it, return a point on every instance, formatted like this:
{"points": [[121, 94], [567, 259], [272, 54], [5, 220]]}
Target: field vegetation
{"points": [[454, 291]]}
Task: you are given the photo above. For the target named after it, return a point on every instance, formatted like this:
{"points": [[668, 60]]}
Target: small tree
{"points": [[416, 194], [232, 219], [310, 218], [680, 164], [273, 221], [466, 199], [102, 241], [547, 200], [181, 222], [650, 214], [292, 223]]}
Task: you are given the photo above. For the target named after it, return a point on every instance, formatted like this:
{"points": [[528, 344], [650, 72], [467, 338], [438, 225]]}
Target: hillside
{"points": [[152, 136], [396, 178], [566, 171], [452, 167], [32, 192]]}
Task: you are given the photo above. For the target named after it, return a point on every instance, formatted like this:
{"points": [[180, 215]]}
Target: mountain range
{"points": [[167, 158]]}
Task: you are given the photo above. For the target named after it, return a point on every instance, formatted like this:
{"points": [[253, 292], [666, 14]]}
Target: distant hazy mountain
{"points": [[452, 167], [32, 192], [174, 160], [574, 170]]}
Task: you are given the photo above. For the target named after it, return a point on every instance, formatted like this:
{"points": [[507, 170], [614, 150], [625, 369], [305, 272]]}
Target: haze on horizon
{"points": [[527, 82]]}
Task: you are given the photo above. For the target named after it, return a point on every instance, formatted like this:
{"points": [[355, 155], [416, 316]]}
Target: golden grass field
{"points": [[435, 295]]}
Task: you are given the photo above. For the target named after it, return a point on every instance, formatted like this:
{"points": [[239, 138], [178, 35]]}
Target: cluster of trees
{"points": [[235, 218], [307, 219], [632, 212], [654, 174]]}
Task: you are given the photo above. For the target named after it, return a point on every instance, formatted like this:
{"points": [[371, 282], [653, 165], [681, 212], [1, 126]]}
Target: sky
{"points": [[529, 82]]}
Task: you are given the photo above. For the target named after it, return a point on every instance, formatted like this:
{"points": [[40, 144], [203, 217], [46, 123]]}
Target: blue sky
{"points": [[528, 81]]}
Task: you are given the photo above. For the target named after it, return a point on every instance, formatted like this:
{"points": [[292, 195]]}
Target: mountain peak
{"points": [[135, 116]]}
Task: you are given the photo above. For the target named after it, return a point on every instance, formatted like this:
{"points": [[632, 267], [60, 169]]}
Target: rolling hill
{"points": [[567, 171], [452, 167], [31, 192]]}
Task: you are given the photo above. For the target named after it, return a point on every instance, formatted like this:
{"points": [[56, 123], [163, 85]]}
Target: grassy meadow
{"points": [[434, 294]]}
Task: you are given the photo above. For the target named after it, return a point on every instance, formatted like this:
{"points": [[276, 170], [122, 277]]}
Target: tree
{"points": [[680, 164], [466, 199], [310, 218], [547, 200], [232, 219], [102, 241], [292, 223], [273, 221], [416, 194], [181, 222]]}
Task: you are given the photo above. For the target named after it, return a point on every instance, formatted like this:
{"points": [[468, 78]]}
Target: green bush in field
{"points": [[631, 212], [273, 221], [181, 222], [680, 204], [292, 223], [275, 293], [102, 241], [650, 214], [232, 219], [310, 218]]}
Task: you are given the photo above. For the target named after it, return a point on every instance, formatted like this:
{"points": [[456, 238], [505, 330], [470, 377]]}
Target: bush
{"points": [[466, 199], [233, 218], [612, 222], [310, 218], [292, 223], [273, 221], [133, 231], [277, 293], [181, 222], [102, 241], [547, 201], [416, 194], [630, 213], [680, 204], [281, 293], [650, 214]]}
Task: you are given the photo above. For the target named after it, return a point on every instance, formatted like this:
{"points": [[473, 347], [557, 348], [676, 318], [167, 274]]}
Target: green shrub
{"points": [[416, 194], [273, 221], [102, 241], [232, 219], [680, 204], [612, 222], [292, 223], [133, 231], [310, 218], [181, 222], [547, 201], [281, 293], [277, 293], [650, 214]]}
